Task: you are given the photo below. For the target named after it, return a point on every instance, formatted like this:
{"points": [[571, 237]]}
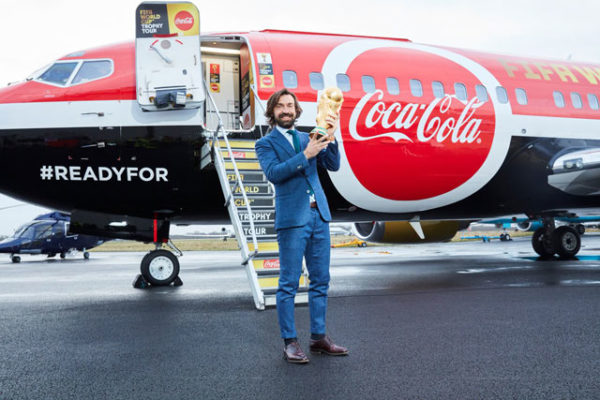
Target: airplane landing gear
{"points": [[15, 259], [567, 241], [160, 268], [564, 241]]}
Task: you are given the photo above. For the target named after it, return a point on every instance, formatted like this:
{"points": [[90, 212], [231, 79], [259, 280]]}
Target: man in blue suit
{"points": [[289, 159]]}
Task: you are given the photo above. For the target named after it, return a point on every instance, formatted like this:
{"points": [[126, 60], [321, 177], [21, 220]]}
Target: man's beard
{"points": [[285, 123]]}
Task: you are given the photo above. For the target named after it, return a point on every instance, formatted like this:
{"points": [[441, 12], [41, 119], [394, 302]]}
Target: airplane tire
{"points": [[15, 259], [160, 267], [63, 255], [567, 241], [86, 255], [537, 241]]}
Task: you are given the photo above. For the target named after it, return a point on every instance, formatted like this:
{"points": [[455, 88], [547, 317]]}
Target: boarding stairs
{"points": [[250, 202]]}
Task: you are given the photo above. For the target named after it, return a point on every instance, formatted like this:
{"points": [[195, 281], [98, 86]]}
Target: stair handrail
{"points": [[238, 178]]}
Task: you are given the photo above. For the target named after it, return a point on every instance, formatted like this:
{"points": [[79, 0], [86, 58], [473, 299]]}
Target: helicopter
{"points": [[48, 234]]}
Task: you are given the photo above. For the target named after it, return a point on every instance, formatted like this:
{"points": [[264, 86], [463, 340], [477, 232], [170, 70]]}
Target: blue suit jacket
{"points": [[290, 173]]}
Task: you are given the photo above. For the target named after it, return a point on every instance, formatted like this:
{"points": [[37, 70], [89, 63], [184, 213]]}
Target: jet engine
{"points": [[529, 226], [403, 232]]}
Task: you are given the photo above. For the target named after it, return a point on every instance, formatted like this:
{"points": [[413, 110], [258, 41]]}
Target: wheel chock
{"points": [[177, 281], [140, 282]]}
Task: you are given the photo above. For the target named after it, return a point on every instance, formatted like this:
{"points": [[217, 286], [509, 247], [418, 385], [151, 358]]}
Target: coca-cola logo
{"points": [[267, 81], [184, 20], [429, 124], [271, 264], [403, 147]]}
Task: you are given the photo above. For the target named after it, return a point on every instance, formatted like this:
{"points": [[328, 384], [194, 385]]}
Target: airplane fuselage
{"points": [[425, 131]]}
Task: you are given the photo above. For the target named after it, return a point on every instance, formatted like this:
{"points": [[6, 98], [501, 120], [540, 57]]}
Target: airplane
{"points": [[47, 234], [121, 136]]}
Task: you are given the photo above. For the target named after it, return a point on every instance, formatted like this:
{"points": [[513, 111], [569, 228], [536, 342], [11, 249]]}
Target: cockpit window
{"points": [[92, 70], [59, 73], [82, 71], [37, 230]]}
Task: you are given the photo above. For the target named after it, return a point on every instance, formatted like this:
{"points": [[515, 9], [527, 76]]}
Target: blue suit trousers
{"points": [[312, 242]]}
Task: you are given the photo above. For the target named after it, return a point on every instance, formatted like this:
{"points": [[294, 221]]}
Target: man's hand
{"points": [[315, 145], [332, 124]]}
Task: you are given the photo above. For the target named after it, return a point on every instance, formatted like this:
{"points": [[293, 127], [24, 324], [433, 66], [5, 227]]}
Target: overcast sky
{"points": [[37, 32]]}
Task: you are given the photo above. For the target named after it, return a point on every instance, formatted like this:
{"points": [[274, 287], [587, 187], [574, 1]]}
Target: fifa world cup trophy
{"points": [[330, 102]]}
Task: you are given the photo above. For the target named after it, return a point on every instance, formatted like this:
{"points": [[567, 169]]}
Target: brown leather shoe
{"points": [[292, 353], [326, 346]]}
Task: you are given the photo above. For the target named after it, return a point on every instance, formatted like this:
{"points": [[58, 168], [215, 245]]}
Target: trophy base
{"points": [[318, 131]]}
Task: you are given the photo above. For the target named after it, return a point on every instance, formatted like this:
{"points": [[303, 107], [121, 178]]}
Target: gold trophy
{"points": [[330, 102]]}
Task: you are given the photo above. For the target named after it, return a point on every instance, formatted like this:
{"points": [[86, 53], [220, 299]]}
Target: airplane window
{"points": [[290, 80], [416, 88], [343, 82], [368, 83], [482, 94], [461, 91], [393, 87], [316, 81], [576, 100], [59, 73], [593, 100], [502, 95], [92, 70], [521, 96], [559, 100], [438, 89]]}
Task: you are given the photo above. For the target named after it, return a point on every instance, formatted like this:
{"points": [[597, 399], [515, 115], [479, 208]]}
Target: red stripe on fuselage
{"points": [[306, 52]]}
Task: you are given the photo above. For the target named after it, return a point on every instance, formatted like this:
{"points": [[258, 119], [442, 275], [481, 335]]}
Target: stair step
{"points": [[267, 272], [259, 216], [301, 290], [255, 202], [260, 230], [253, 189], [243, 165], [248, 177], [240, 154], [271, 283], [271, 301], [238, 144], [264, 246], [266, 255], [265, 265]]}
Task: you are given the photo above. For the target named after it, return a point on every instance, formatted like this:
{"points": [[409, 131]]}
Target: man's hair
{"points": [[274, 99]]}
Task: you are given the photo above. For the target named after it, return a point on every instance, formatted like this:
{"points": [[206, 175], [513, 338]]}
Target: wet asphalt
{"points": [[465, 320]]}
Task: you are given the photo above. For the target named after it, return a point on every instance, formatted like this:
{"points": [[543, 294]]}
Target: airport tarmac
{"points": [[465, 320]]}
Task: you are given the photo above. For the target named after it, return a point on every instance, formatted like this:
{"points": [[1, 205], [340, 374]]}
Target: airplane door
{"points": [[99, 132], [222, 74], [167, 56]]}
